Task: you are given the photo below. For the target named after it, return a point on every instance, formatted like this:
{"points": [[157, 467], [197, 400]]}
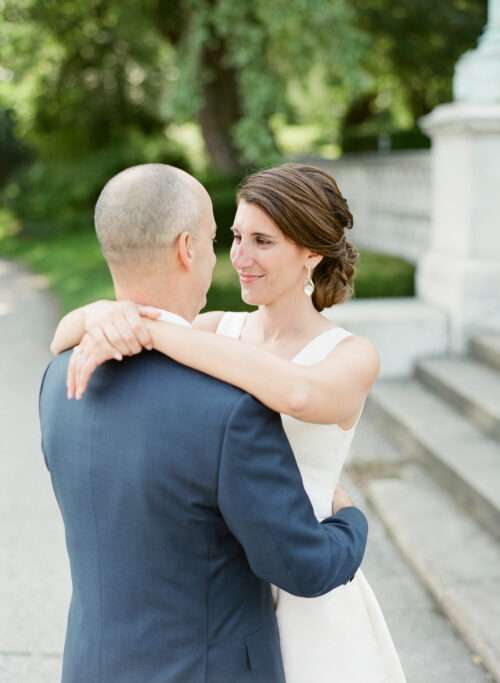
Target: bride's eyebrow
{"points": [[234, 229]]}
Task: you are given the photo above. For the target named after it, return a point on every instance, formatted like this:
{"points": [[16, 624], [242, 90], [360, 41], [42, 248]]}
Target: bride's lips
{"points": [[248, 278]]}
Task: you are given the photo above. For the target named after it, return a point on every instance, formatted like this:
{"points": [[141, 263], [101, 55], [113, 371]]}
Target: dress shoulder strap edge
{"points": [[231, 324]]}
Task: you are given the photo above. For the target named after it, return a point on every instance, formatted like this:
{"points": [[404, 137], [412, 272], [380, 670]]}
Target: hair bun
{"points": [[333, 277]]}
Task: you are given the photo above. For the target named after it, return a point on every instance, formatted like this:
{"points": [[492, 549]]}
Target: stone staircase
{"points": [[433, 479]]}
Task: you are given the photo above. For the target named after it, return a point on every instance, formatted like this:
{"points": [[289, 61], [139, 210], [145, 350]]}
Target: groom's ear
{"points": [[185, 250]]}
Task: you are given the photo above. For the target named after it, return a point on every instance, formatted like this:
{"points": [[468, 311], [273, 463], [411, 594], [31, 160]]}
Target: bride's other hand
{"points": [[340, 500], [113, 329], [121, 324]]}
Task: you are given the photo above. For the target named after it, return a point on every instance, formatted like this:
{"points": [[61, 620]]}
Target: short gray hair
{"points": [[144, 209]]}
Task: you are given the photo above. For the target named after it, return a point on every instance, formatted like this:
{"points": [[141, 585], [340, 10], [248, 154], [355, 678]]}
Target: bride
{"points": [[293, 260]]}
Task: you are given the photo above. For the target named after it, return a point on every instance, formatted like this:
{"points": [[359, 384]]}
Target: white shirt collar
{"points": [[168, 317]]}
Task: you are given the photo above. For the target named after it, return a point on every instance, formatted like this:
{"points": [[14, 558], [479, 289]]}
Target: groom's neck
{"points": [[167, 298]]}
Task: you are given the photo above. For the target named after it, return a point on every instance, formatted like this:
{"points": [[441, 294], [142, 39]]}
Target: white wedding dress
{"points": [[340, 637]]}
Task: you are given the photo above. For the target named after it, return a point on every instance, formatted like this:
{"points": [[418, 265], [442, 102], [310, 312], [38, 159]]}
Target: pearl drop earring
{"points": [[309, 284]]}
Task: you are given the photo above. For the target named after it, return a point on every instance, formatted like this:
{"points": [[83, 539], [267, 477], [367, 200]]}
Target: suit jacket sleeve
{"points": [[263, 501]]}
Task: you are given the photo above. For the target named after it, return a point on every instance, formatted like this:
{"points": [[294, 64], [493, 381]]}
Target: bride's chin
{"points": [[253, 300]]}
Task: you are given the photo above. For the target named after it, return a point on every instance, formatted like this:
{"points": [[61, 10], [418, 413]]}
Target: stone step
{"points": [[461, 457], [453, 556], [486, 348], [429, 648], [470, 386]]}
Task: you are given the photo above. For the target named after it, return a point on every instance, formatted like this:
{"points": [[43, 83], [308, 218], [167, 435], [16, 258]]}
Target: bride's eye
{"points": [[262, 241]]}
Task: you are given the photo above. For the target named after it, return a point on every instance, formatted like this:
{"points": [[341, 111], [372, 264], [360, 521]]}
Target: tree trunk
{"points": [[221, 108], [221, 111]]}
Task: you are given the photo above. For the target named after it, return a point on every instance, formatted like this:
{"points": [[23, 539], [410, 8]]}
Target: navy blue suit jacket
{"points": [[181, 501]]}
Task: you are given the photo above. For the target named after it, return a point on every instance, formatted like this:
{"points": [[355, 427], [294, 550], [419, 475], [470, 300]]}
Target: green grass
{"points": [[77, 274]]}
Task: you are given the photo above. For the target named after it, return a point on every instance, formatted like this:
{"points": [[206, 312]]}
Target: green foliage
{"points": [[12, 151], [381, 275], [414, 46], [94, 86], [86, 73], [402, 139], [222, 190], [271, 44], [60, 194]]}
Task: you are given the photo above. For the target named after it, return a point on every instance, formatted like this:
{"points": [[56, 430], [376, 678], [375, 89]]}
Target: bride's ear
{"points": [[184, 246], [313, 260]]}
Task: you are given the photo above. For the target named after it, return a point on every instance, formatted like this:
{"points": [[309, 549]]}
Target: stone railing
{"points": [[389, 195]]}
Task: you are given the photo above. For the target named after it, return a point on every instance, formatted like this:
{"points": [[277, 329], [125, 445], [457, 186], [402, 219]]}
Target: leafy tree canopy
{"points": [[80, 76]]}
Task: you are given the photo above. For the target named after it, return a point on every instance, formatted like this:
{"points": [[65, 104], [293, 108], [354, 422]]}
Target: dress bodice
{"points": [[320, 450]]}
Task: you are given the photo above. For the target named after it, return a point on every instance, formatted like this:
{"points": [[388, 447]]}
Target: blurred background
{"points": [[217, 87], [222, 88]]}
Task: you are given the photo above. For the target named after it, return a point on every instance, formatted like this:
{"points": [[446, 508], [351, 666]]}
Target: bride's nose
{"points": [[240, 256]]}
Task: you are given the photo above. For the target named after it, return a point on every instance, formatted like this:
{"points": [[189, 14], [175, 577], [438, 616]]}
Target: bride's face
{"points": [[269, 265]]}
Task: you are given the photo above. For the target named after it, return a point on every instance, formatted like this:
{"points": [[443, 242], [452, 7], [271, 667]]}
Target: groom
{"points": [[180, 496]]}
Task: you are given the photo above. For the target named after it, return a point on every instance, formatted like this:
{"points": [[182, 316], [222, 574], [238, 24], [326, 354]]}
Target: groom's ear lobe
{"points": [[184, 247]]}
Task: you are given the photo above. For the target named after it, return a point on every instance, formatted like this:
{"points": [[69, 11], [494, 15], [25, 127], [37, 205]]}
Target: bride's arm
{"points": [[209, 322], [329, 392], [75, 324]]}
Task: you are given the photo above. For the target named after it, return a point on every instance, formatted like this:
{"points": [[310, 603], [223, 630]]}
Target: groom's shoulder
{"points": [[57, 367], [204, 396], [178, 377], [185, 375], [209, 393], [158, 376]]}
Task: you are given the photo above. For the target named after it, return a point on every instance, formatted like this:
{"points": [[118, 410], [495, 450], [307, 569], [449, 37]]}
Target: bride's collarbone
{"points": [[286, 349]]}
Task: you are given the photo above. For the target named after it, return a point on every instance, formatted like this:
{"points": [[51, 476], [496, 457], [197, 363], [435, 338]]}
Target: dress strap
{"points": [[341, 334], [231, 324], [321, 346]]}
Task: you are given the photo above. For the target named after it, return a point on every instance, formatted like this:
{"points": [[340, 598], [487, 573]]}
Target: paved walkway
{"points": [[34, 574], [34, 585]]}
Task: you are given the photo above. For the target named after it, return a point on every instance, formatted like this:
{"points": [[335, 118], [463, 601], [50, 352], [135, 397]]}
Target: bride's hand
{"points": [[120, 324], [113, 329], [341, 499]]}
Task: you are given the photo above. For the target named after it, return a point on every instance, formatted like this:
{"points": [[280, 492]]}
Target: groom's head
{"points": [[156, 227]]}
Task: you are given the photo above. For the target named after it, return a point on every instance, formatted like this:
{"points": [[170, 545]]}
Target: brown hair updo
{"points": [[308, 207]]}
